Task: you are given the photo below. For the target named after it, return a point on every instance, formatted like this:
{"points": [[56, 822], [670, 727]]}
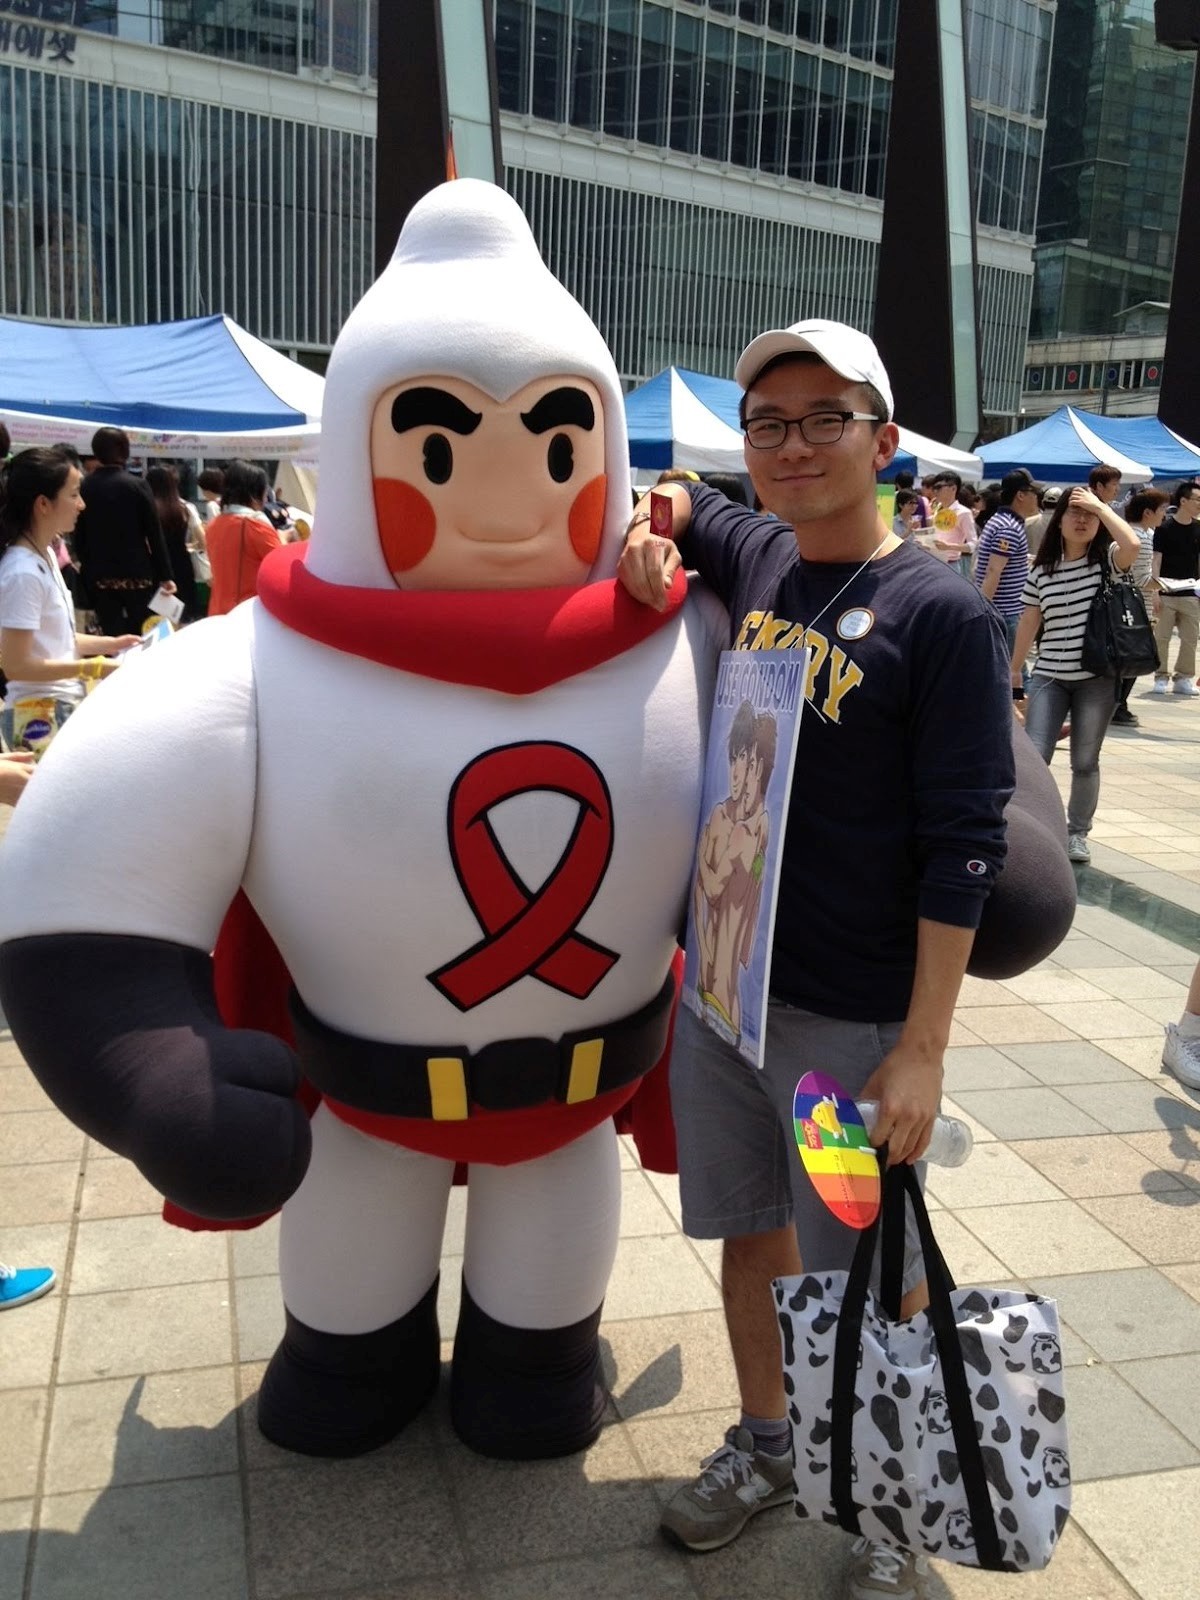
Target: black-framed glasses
{"points": [[817, 427]]}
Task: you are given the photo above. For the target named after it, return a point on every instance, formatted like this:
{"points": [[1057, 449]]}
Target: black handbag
{"points": [[1118, 640]]}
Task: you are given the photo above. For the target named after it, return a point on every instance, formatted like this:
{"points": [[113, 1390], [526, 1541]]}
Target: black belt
{"points": [[444, 1082]]}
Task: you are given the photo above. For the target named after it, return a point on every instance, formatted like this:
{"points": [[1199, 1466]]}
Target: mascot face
{"points": [[476, 493], [473, 431]]}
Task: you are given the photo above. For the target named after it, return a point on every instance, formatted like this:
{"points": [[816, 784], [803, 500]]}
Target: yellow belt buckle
{"points": [[447, 1088], [585, 1071]]}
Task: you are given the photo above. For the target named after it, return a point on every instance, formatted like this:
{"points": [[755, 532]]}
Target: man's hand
{"points": [[648, 566], [649, 561], [908, 1086]]}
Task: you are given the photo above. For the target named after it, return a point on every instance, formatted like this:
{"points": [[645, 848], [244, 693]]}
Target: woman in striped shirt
{"points": [[1082, 536]]}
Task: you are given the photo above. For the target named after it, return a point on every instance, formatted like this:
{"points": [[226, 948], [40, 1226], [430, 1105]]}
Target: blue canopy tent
{"points": [[1062, 448], [1149, 440], [687, 419], [203, 386]]}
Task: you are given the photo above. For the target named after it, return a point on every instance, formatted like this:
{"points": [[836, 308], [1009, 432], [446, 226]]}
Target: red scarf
{"points": [[517, 641]]}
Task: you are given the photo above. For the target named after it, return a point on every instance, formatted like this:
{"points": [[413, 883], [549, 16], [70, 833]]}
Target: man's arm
{"points": [[962, 778], [713, 535], [991, 578], [649, 562], [908, 1082]]}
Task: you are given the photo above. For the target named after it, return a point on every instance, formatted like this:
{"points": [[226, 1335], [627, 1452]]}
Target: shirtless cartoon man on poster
{"points": [[727, 894]]}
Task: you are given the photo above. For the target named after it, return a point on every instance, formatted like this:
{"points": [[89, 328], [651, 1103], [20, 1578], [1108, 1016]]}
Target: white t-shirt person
{"points": [[33, 596]]}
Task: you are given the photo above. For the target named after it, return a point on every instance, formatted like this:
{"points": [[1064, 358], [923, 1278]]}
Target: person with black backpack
{"points": [[1084, 538]]}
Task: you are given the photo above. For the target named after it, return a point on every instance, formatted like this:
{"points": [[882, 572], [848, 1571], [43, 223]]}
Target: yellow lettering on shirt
{"points": [[820, 650], [762, 630], [750, 623], [770, 633], [844, 675]]}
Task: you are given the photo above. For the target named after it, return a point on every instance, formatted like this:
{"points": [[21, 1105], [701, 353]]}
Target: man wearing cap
{"points": [[1035, 527], [1002, 560], [894, 836]]}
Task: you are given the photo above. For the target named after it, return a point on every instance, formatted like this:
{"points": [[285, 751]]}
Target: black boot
{"points": [[342, 1394], [525, 1394]]}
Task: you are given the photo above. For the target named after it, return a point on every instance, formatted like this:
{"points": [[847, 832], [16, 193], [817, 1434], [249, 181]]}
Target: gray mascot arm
{"points": [[123, 1035], [1032, 904], [115, 875]]}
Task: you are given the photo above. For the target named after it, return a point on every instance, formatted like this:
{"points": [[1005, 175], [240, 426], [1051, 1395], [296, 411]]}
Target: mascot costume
{"points": [[432, 799], [438, 787]]}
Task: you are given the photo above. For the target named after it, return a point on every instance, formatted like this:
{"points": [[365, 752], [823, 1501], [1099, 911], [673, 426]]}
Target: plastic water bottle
{"points": [[950, 1145]]}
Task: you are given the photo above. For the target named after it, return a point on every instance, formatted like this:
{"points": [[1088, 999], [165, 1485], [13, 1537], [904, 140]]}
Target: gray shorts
{"points": [[739, 1169]]}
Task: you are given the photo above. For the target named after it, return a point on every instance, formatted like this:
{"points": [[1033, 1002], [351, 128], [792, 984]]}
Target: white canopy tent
{"points": [[688, 419]]}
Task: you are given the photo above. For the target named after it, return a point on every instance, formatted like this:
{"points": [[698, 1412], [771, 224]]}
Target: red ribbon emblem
{"points": [[527, 933]]}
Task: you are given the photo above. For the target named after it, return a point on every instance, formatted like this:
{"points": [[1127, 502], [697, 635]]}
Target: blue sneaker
{"points": [[19, 1284]]}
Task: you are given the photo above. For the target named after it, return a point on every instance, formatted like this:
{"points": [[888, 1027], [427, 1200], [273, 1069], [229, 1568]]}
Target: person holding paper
{"points": [[894, 836], [42, 654]]}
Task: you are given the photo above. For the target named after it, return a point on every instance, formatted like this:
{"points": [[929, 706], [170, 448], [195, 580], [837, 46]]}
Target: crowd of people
{"points": [[1037, 553], [903, 829], [86, 535]]}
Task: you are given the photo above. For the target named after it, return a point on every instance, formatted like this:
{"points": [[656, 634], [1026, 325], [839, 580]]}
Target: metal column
{"points": [[926, 323], [437, 106]]}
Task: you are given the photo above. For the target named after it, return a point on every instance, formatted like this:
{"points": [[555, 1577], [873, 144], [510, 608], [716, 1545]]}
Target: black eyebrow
{"points": [[560, 408], [419, 408]]}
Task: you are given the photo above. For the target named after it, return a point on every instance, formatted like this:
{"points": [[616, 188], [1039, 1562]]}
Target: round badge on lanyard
{"points": [[835, 1149]]}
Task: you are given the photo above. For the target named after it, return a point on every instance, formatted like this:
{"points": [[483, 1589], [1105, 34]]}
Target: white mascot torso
{"points": [[455, 773]]}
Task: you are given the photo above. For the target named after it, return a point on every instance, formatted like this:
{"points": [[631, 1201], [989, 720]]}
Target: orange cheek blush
{"points": [[587, 519], [406, 521]]}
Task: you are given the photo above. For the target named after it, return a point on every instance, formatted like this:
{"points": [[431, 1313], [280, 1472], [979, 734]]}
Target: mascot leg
{"points": [[541, 1241], [359, 1251]]}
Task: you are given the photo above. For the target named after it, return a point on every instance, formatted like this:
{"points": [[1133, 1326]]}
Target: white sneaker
{"points": [[1161, 686], [1077, 849], [1182, 1056], [1186, 686], [878, 1570]]}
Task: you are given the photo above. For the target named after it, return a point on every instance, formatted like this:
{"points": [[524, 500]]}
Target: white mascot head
{"points": [[473, 431]]}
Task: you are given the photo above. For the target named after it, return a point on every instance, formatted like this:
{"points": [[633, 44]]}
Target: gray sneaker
{"points": [[735, 1483], [878, 1570]]}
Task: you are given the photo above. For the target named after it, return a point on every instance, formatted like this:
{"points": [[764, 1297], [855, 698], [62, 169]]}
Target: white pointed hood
{"points": [[466, 295]]}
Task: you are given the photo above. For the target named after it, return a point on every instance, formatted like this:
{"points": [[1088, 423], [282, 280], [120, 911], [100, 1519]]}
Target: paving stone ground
{"points": [[131, 1468]]}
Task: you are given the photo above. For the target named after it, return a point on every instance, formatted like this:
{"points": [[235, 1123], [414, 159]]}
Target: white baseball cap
{"points": [[847, 351]]}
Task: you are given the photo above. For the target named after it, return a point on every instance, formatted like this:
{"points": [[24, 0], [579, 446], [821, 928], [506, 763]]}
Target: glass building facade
{"points": [[694, 172], [122, 204], [1115, 141]]}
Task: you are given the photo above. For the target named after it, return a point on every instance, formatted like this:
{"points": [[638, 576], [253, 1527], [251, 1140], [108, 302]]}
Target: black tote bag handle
{"points": [[899, 1182]]}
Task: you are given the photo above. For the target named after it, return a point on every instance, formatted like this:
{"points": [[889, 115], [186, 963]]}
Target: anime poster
{"points": [[747, 783]]}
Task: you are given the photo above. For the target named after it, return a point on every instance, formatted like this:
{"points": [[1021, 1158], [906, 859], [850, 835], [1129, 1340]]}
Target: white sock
{"points": [[1189, 1025]]}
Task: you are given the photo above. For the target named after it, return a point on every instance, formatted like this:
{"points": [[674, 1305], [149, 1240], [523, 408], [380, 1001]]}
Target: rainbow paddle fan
{"points": [[835, 1149]]}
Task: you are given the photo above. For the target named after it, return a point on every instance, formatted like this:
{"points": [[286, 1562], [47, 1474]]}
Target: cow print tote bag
{"points": [[944, 1434]]}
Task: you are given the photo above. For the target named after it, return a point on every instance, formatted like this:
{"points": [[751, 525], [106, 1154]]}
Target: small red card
{"points": [[662, 515]]}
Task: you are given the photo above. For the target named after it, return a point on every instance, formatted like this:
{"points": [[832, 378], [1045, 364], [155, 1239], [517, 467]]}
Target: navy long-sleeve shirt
{"points": [[904, 763]]}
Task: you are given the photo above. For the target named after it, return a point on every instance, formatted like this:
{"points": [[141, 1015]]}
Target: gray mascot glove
{"points": [[124, 1036]]}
